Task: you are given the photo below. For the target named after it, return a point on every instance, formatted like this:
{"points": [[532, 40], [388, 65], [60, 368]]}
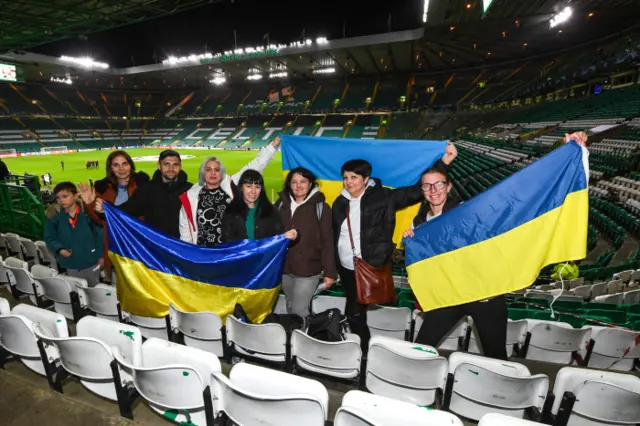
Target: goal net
{"points": [[60, 148], [8, 153]]}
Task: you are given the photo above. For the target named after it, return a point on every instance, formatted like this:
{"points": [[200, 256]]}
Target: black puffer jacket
{"points": [[421, 217], [159, 203], [268, 222], [378, 218]]}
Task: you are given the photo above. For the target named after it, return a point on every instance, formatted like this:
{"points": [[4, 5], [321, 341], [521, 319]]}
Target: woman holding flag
{"points": [[368, 233]]}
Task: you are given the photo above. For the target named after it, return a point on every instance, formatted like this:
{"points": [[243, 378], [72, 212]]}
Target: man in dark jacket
{"points": [[159, 201]]}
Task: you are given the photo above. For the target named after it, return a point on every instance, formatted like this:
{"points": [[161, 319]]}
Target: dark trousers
{"points": [[356, 313], [489, 319]]}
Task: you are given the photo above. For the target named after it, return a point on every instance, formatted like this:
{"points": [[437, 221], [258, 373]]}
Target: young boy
{"points": [[73, 237]]}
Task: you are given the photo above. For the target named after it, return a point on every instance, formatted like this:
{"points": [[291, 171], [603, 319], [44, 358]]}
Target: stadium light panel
{"points": [[282, 74], [254, 77], [561, 17], [218, 81], [321, 40], [61, 80], [425, 11], [324, 71], [85, 62]]}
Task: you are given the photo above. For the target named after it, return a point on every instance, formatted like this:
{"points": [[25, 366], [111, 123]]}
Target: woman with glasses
{"points": [[490, 315]]}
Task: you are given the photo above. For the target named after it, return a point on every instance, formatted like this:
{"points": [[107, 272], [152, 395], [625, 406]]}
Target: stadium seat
{"points": [[5, 308], [202, 330], [54, 288], [18, 338], [592, 397], [89, 355], [150, 327], [281, 305], [390, 322], [49, 258], [31, 251], [263, 341], [4, 278], [14, 245], [609, 346], [363, 409], [322, 303], [337, 359], [253, 394], [553, 341], [174, 379], [405, 371], [21, 281], [453, 340], [516, 334], [101, 299], [482, 385]]}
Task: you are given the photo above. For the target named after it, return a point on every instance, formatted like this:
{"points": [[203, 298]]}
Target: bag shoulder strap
{"points": [[353, 246]]}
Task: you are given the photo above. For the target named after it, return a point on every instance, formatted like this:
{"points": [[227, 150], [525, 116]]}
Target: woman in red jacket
{"points": [[311, 258]]}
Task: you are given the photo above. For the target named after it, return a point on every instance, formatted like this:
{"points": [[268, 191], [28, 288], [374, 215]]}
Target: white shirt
{"points": [[345, 252], [295, 205]]}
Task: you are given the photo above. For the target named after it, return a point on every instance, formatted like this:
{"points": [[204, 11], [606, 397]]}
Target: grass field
{"points": [[75, 170]]}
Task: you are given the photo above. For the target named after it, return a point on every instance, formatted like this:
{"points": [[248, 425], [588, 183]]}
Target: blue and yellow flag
{"points": [[395, 162], [498, 241], [154, 270]]}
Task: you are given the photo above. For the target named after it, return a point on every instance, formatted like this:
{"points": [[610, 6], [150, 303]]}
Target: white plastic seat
{"points": [[623, 276], [615, 286], [336, 359], [48, 257], [452, 341], [31, 250], [5, 308], [576, 282], [495, 419], [21, 279], [598, 289], [89, 355], [609, 346], [14, 245], [485, 385], [264, 341], [364, 409], [390, 322], [18, 338], [405, 371], [323, 303], [101, 299], [613, 299], [583, 291], [4, 278], [202, 330], [54, 288], [257, 396], [516, 334], [553, 341], [149, 327], [601, 397], [631, 297], [173, 378]]}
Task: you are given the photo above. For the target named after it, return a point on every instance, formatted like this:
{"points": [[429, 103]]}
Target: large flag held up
{"points": [[396, 162], [154, 270], [499, 241]]}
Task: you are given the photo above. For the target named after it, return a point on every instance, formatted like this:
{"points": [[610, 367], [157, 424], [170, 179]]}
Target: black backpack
{"points": [[326, 326], [289, 322]]}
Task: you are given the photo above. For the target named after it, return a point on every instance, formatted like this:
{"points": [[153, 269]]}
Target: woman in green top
{"points": [[252, 216]]}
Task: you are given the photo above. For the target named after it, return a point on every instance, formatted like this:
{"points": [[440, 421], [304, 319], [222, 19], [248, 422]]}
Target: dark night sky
{"points": [[213, 24]]}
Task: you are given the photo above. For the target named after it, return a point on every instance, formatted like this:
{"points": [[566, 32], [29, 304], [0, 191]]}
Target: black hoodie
{"points": [[159, 203]]}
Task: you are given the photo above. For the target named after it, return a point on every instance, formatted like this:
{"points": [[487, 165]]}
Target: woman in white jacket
{"points": [[204, 205]]}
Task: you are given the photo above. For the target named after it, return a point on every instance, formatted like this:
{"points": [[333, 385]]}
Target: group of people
{"points": [[221, 208], [92, 164]]}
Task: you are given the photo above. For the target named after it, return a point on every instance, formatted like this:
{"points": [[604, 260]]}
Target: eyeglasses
{"points": [[438, 186]]}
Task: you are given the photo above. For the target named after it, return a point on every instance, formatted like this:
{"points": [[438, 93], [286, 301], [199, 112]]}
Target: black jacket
{"points": [[268, 222], [421, 217], [378, 218], [159, 203], [4, 171]]}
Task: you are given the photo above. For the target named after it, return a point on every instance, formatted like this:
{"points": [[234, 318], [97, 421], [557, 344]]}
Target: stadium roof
{"points": [[28, 23]]}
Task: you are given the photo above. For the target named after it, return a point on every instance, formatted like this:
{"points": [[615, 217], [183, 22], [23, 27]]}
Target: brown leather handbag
{"points": [[373, 285]]}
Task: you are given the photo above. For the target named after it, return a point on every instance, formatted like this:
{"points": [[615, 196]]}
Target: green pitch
{"points": [[76, 171]]}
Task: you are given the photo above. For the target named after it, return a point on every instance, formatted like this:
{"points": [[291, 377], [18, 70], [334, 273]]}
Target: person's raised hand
{"points": [[408, 233], [87, 193], [276, 142], [580, 137], [450, 154], [328, 282], [98, 206]]}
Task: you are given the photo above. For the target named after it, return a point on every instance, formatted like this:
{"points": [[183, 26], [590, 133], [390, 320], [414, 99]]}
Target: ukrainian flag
{"points": [[498, 241], [395, 162], [154, 270]]}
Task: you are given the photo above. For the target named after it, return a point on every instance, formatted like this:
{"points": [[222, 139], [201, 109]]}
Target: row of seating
{"points": [[175, 380]]}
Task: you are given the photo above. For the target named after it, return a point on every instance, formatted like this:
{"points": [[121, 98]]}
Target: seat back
{"points": [[323, 303], [405, 371], [41, 271], [631, 297], [48, 257], [31, 250], [598, 289], [615, 286], [56, 289], [14, 245], [22, 279], [17, 337], [5, 308], [337, 359], [599, 402], [202, 330], [127, 337], [555, 342], [266, 341], [150, 327], [452, 340], [364, 409], [388, 321], [4, 279], [249, 408], [101, 299], [610, 345], [495, 419], [281, 305]]}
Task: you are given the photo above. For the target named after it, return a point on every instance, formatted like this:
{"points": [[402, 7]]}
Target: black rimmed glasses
{"points": [[436, 186]]}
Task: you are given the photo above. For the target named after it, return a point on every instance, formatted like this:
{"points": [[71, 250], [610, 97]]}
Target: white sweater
{"points": [[345, 252]]}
